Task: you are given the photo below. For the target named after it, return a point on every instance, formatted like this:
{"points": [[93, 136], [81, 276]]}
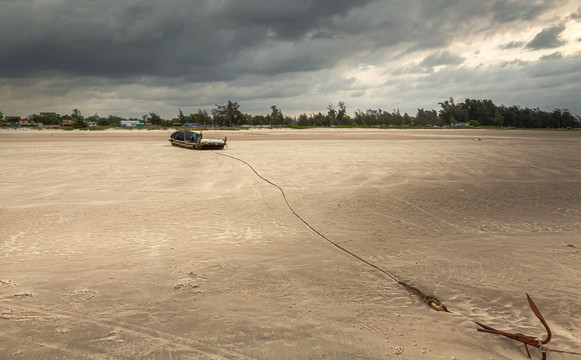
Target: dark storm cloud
{"points": [[515, 83], [287, 20], [85, 38], [437, 23], [505, 11], [512, 45], [547, 39], [167, 53], [577, 15], [554, 56], [170, 38], [441, 58], [430, 63], [218, 40], [425, 24]]}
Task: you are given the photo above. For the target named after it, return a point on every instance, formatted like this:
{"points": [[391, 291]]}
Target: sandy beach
{"points": [[116, 245]]}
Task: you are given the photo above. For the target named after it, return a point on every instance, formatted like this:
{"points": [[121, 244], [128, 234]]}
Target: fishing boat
{"points": [[192, 140]]}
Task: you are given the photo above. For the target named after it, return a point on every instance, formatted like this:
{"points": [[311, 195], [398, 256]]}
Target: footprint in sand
{"points": [[6, 285], [192, 280], [114, 335], [24, 294], [80, 296]]}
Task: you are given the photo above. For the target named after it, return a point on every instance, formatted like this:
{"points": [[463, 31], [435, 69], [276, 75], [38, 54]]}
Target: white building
{"points": [[130, 123]]}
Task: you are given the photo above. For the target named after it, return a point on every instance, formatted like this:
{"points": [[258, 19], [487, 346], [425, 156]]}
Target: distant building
{"points": [[375, 113], [460, 124], [68, 122], [131, 123], [256, 126]]}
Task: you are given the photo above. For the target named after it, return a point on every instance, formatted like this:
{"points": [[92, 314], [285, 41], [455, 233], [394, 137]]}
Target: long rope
{"points": [[428, 299]]}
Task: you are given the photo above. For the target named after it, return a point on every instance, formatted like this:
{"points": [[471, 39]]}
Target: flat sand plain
{"points": [[116, 245]]}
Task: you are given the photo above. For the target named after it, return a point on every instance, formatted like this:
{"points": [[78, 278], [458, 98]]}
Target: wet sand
{"points": [[116, 245]]}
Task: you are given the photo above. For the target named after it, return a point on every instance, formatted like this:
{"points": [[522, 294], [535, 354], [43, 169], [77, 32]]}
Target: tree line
{"points": [[486, 113], [472, 111]]}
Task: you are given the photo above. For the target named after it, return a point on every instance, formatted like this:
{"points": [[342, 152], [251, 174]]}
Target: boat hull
{"points": [[201, 144]]}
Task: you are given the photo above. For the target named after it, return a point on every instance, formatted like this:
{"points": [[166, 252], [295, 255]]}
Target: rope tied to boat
{"points": [[429, 300]]}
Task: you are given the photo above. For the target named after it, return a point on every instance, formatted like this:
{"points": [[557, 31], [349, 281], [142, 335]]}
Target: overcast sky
{"points": [[132, 57]]}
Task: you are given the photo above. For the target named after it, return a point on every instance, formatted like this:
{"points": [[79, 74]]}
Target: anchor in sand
{"points": [[525, 339]]}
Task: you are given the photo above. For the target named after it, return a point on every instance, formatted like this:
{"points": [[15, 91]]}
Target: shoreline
{"points": [[294, 134]]}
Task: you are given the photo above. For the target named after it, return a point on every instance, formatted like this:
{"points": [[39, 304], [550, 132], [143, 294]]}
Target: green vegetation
{"points": [[488, 114], [471, 112]]}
